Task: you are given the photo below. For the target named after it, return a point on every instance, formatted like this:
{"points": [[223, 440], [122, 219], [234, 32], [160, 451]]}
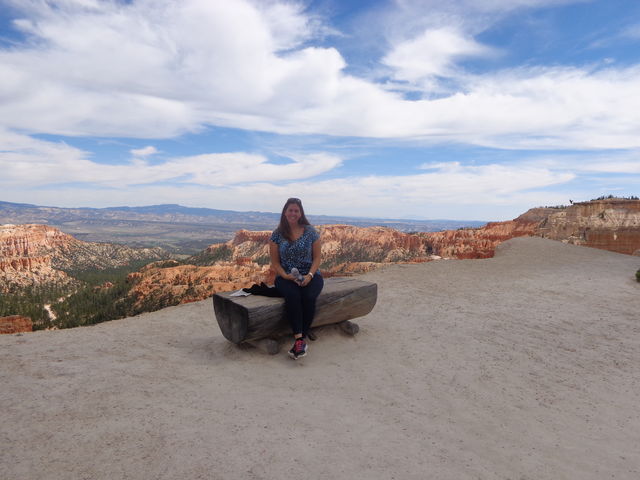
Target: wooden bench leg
{"points": [[349, 328]]}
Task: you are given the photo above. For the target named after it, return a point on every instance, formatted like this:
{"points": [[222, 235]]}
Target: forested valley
{"points": [[96, 296]]}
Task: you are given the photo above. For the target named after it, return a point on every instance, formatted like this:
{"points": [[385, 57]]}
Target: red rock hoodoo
{"points": [[32, 255]]}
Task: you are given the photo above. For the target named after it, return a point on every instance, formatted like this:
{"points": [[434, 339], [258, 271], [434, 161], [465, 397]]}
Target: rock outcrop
{"points": [[15, 324], [33, 255], [371, 244], [158, 285], [609, 224], [25, 256], [477, 242]]}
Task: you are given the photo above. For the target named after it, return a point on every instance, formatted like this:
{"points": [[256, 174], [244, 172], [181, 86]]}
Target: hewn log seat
{"points": [[256, 318]]}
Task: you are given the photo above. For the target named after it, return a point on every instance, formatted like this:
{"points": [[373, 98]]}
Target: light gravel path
{"points": [[523, 366]]}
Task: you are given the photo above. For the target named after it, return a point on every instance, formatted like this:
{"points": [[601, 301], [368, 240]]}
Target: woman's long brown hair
{"points": [[284, 228]]}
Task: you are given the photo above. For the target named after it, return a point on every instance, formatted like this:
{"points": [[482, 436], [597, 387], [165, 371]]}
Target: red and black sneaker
{"points": [[299, 349]]}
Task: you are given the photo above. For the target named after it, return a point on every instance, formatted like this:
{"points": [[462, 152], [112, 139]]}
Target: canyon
{"points": [[34, 254], [610, 224]]}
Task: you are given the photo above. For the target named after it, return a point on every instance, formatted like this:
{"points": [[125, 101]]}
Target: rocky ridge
{"points": [[26, 256], [38, 254], [469, 243], [609, 224]]}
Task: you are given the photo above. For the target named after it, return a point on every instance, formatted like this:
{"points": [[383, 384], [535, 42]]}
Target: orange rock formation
{"points": [[187, 283], [610, 224], [25, 258], [15, 324], [477, 242], [35, 254]]}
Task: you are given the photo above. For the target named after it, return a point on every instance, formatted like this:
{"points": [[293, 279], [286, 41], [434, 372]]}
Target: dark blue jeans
{"points": [[300, 302]]}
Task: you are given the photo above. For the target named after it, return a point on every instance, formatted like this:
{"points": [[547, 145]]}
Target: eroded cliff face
{"points": [[346, 250], [477, 242], [36, 254], [31, 240], [157, 284], [370, 244], [611, 224], [26, 256]]}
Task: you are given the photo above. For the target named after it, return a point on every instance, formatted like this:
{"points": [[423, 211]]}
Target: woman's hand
{"points": [[288, 276], [306, 281]]}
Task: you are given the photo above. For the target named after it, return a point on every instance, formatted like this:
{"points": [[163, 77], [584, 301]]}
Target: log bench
{"points": [[260, 320]]}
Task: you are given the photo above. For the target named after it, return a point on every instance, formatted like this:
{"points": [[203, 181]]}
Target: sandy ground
{"points": [[524, 366]]}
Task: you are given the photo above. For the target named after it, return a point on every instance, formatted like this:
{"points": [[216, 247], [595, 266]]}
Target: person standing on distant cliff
{"points": [[294, 248]]}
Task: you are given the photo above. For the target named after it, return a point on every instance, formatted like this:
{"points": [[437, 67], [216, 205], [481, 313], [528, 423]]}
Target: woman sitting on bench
{"points": [[295, 251]]}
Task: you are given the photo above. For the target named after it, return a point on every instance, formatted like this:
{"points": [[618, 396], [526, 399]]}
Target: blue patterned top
{"points": [[299, 253]]}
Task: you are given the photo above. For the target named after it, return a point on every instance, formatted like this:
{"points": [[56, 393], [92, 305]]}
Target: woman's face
{"points": [[293, 213]]}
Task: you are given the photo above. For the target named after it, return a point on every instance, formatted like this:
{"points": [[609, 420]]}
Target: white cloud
{"points": [[240, 180], [156, 69], [287, 22], [625, 35], [194, 63], [382, 197], [630, 167], [232, 168], [243, 181], [25, 161], [28, 162], [431, 54], [552, 108], [611, 162], [404, 18], [144, 152]]}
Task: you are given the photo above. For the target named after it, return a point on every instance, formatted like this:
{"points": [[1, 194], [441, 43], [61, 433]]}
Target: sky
{"points": [[422, 109]]}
